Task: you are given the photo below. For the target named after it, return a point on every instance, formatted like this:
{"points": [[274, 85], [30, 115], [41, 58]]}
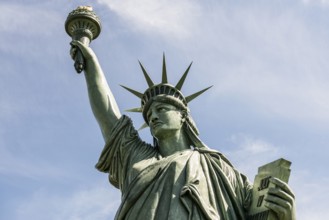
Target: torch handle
{"points": [[79, 63]]}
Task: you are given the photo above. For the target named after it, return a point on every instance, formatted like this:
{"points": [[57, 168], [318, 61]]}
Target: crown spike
{"points": [[135, 110], [143, 126], [164, 70], [182, 79], [138, 94], [193, 96], [147, 77]]}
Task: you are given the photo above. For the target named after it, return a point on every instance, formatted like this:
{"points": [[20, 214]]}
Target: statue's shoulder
{"points": [[216, 155]]}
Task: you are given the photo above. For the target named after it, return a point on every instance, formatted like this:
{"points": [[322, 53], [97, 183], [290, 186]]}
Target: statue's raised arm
{"points": [[101, 99]]}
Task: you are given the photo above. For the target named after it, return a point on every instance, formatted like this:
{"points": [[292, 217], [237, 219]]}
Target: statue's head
{"points": [[168, 95], [165, 119]]}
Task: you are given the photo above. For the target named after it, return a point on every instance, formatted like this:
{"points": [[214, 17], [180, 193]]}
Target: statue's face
{"points": [[164, 120]]}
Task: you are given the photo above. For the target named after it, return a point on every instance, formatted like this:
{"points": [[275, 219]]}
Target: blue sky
{"points": [[267, 62]]}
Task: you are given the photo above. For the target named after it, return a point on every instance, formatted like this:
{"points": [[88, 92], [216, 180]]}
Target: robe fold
{"points": [[193, 184]]}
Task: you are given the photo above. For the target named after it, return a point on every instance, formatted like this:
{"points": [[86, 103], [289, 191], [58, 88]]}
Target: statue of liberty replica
{"points": [[177, 177]]}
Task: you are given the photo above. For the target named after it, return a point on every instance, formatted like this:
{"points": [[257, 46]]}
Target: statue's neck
{"points": [[173, 144]]}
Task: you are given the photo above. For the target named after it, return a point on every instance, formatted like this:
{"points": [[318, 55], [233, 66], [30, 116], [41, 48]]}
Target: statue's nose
{"points": [[154, 117]]}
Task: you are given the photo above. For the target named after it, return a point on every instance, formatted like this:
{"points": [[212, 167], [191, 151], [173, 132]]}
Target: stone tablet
{"points": [[280, 169]]}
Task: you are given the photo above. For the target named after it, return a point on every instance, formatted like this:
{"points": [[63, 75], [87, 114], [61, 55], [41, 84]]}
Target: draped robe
{"points": [[193, 184]]}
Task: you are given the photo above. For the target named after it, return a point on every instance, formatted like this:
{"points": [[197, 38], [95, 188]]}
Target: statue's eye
{"points": [[161, 109]]}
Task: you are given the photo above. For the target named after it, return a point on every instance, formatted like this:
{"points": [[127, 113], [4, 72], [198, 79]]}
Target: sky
{"points": [[266, 60]]}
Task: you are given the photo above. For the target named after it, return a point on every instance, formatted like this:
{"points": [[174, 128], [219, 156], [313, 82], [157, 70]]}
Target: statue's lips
{"points": [[156, 124]]}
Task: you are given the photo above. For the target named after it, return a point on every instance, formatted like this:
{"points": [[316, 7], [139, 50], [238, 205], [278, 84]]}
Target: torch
{"points": [[82, 24]]}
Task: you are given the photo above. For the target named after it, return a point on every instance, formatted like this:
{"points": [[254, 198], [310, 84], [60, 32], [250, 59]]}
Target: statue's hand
{"points": [[281, 200], [87, 52]]}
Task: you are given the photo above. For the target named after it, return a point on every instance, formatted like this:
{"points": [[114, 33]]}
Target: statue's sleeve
{"points": [[123, 150], [246, 192], [242, 188], [240, 184]]}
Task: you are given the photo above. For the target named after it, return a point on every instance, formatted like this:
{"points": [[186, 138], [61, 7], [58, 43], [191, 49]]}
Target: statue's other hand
{"points": [[87, 52], [281, 200]]}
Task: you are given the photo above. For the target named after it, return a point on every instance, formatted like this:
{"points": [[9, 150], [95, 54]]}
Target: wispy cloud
{"points": [[316, 2], [276, 61], [167, 18], [250, 152], [18, 18], [96, 202], [20, 22]]}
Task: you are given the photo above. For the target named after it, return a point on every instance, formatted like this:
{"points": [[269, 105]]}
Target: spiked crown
{"points": [[163, 92]]}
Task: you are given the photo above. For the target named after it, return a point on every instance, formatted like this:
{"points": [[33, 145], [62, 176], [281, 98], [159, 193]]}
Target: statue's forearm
{"points": [[101, 99]]}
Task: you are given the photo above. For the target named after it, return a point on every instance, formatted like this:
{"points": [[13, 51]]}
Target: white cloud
{"points": [[317, 2], [96, 202], [25, 20], [249, 153], [24, 28], [168, 18], [276, 61], [252, 146]]}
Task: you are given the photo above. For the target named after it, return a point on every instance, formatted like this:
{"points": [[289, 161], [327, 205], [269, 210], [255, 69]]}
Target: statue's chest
{"points": [[172, 167]]}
